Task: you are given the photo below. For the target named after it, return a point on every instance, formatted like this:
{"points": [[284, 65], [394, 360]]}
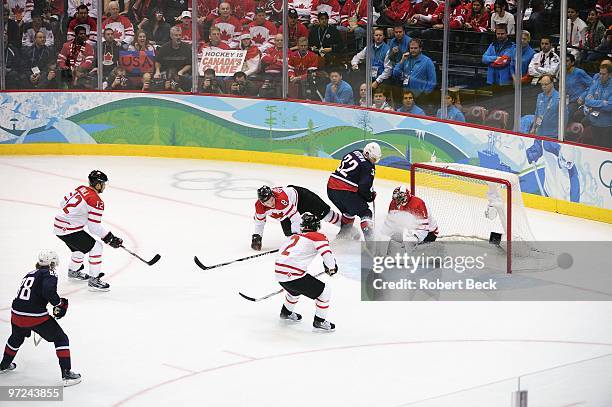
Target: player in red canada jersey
{"points": [[286, 204], [29, 313], [79, 208], [427, 228], [291, 270]]}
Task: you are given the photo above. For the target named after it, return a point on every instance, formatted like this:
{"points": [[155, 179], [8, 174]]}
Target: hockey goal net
{"points": [[475, 203]]}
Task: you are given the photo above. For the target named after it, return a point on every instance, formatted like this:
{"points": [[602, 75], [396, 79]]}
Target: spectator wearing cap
{"points": [[354, 19], [598, 109], [262, 31], [303, 9], [185, 26], [91, 7], [303, 64], [157, 29], [324, 39], [527, 54], [252, 60], [381, 66], [173, 9], [37, 24], [337, 90], [295, 29], [498, 57], [229, 25], [330, 7], [397, 13], [121, 25], [83, 19]]}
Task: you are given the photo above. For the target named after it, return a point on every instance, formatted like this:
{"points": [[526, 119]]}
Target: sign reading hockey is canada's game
{"points": [[137, 61], [224, 62]]}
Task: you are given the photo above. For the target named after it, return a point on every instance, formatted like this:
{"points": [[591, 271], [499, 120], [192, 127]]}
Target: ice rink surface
{"points": [[172, 334]]}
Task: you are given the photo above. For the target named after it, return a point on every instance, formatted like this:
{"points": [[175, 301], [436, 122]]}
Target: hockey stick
{"points": [[246, 297], [151, 262], [203, 267]]}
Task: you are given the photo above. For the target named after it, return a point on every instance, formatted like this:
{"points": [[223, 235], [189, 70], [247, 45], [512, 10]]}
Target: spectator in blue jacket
{"points": [[547, 109], [498, 57], [452, 111], [416, 71], [398, 45], [598, 103], [378, 53], [526, 54], [338, 91], [577, 83], [408, 105]]}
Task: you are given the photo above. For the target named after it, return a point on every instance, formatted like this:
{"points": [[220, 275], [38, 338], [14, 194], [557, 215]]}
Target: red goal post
{"points": [[475, 186]]}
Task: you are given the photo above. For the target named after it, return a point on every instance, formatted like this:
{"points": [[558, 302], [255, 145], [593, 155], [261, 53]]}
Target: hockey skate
{"points": [[78, 274], [287, 315], [95, 284], [8, 368], [322, 325], [69, 378]]}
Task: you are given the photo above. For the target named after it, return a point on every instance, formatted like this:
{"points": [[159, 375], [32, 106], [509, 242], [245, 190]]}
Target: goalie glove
{"points": [[112, 240], [329, 271], [256, 242], [60, 309]]}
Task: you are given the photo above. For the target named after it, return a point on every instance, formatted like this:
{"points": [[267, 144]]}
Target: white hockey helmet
{"points": [[401, 194], [48, 257], [372, 150]]}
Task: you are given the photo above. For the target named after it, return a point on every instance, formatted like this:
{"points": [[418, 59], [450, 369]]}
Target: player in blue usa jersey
{"points": [[29, 313], [350, 189]]}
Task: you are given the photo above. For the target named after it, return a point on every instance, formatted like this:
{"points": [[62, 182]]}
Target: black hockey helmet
{"points": [[97, 176], [264, 193], [310, 222]]}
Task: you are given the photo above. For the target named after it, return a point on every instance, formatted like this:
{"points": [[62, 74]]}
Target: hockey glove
{"points": [[60, 309], [112, 240], [256, 242], [329, 271]]}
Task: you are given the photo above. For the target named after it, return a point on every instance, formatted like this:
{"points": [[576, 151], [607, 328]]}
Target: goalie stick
{"points": [[151, 262], [246, 297], [203, 267]]}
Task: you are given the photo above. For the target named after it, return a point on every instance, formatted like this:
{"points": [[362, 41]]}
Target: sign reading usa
{"points": [[137, 62], [224, 62]]}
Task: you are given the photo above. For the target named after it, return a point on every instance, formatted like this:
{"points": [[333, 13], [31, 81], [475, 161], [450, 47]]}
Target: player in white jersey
{"points": [[291, 270], [286, 204], [82, 208]]}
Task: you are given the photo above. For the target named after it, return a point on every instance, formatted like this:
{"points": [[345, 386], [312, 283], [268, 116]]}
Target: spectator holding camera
{"points": [[75, 60], [118, 79], [247, 87], [210, 84]]}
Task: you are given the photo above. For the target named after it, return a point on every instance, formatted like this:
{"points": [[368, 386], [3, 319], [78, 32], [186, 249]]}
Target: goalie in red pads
{"points": [[426, 228], [291, 270]]}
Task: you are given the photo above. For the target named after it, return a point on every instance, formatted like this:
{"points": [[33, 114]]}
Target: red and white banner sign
{"points": [[224, 62]]}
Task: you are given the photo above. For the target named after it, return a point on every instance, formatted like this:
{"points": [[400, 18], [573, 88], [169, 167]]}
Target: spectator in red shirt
{"points": [[75, 61], [272, 61], [262, 31], [354, 18], [229, 25], [296, 29], [303, 64], [398, 13], [121, 25], [83, 19], [477, 17], [423, 13]]}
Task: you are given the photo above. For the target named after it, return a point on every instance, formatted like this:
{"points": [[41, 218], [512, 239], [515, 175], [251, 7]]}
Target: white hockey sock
{"points": [[76, 259], [322, 302], [290, 301], [333, 217], [95, 259]]}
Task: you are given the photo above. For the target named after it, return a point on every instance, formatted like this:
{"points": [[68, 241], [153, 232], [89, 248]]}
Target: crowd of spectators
{"points": [[147, 45]]}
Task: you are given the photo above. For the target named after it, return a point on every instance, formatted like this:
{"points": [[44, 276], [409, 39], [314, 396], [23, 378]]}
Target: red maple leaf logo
{"points": [[259, 39]]}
